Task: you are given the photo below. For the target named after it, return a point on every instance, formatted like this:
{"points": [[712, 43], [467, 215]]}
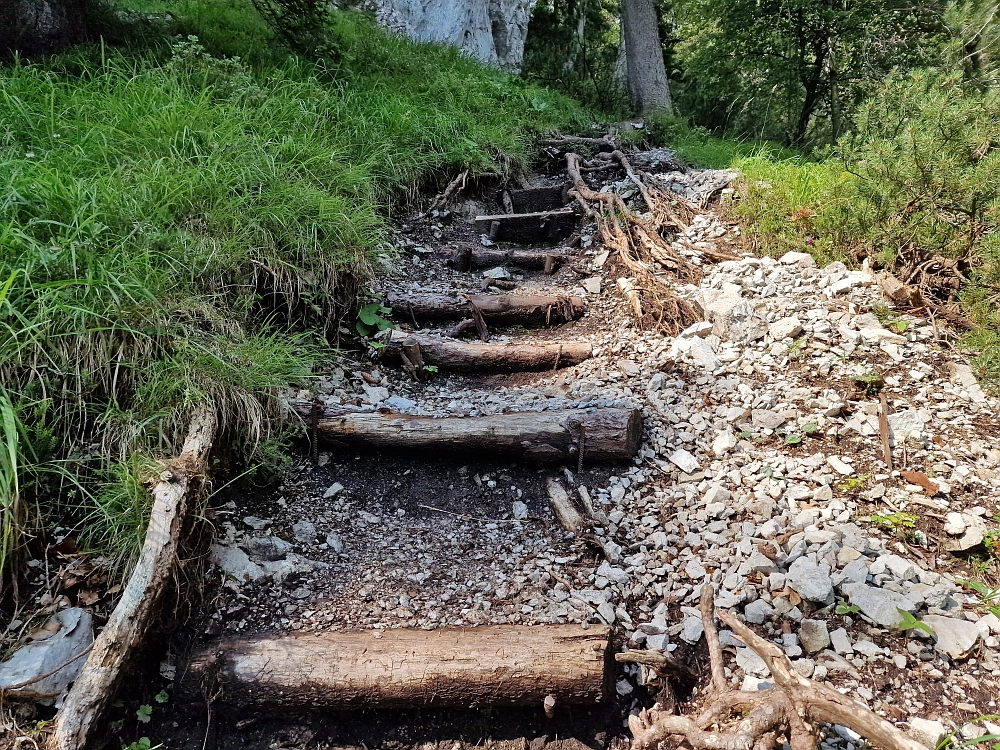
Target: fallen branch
{"points": [[744, 720], [97, 682], [457, 356]]}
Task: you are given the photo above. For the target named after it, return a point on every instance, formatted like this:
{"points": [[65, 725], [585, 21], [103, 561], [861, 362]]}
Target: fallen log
{"points": [[98, 681], [498, 665], [545, 436], [528, 229], [465, 259], [504, 309], [458, 356]]}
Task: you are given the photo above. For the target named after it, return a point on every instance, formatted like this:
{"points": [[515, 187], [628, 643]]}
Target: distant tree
{"points": [[32, 27], [771, 67], [647, 75]]}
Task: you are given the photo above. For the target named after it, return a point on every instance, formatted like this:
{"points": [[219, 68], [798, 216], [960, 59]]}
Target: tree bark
{"points": [[510, 665], [542, 437], [38, 27], [97, 682], [458, 356], [505, 309], [492, 257], [647, 75]]}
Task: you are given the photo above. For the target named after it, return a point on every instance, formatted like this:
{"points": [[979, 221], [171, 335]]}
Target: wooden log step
{"points": [[528, 229], [465, 258], [611, 435], [503, 309], [537, 199], [498, 665], [458, 356]]}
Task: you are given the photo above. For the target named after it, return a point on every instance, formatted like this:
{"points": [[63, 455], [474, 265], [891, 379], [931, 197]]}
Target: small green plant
{"points": [[853, 484], [809, 428], [990, 596], [908, 622], [870, 383], [432, 369], [797, 348], [144, 713], [162, 697], [897, 521], [793, 438], [143, 743], [955, 740], [843, 608], [370, 319]]}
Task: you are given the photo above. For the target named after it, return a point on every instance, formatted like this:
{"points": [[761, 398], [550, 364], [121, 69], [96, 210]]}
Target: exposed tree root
{"points": [[744, 720], [654, 266]]}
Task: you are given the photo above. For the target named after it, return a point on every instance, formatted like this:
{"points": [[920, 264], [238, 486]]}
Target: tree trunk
{"points": [[541, 437], [458, 356], [647, 75], [505, 309], [37, 27], [499, 665]]}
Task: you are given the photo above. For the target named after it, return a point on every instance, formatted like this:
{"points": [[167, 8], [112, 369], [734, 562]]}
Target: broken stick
{"points": [[457, 356], [87, 700]]}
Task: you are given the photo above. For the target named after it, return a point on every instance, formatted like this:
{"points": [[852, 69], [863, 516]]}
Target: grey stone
{"points": [[928, 733], [766, 419], [335, 543], [399, 403], [519, 510], [74, 635], [684, 461], [814, 635], [741, 324], [758, 611], [748, 660], [879, 605], [268, 548], [953, 637], [235, 563], [900, 567], [592, 285], [785, 328], [905, 426], [841, 641], [692, 630], [333, 490], [811, 580], [304, 532]]}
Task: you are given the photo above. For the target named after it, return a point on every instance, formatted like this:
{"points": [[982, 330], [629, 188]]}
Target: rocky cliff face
{"points": [[492, 31]]}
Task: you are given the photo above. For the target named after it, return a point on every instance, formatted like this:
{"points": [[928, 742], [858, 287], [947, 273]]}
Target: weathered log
{"points": [[545, 436], [531, 200], [504, 309], [464, 259], [508, 665], [528, 229], [458, 356], [97, 682]]}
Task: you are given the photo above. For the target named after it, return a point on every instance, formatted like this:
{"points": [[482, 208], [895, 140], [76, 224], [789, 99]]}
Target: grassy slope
{"points": [[178, 226]]}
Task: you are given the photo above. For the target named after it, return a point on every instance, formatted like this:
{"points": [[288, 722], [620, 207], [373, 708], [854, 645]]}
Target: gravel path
{"points": [[762, 473]]}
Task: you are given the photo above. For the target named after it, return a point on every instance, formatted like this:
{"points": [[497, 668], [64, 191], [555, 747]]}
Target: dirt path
{"points": [[762, 471]]}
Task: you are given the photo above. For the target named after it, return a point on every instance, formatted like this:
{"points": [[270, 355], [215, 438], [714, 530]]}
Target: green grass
{"points": [[184, 227]]}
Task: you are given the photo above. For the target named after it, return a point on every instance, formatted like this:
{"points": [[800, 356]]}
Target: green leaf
{"points": [[364, 329], [843, 608], [145, 713], [162, 697], [909, 622], [370, 314], [792, 439], [808, 429]]}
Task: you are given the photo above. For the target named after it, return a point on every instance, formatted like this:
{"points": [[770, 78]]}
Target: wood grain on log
{"points": [[131, 619], [465, 258], [528, 229], [498, 665], [458, 356], [504, 309], [545, 436]]}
